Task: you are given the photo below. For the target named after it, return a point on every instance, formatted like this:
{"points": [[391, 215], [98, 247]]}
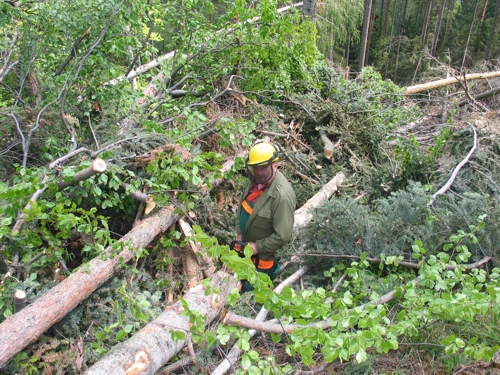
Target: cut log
{"points": [[448, 81], [207, 265], [328, 145], [23, 328], [191, 267], [151, 347], [19, 300], [98, 166], [303, 215]]}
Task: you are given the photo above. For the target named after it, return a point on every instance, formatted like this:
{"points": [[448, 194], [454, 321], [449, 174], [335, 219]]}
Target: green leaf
{"points": [[128, 328]]}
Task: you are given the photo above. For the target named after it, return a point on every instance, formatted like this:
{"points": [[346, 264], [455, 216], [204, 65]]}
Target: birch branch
{"points": [[231, 318]]}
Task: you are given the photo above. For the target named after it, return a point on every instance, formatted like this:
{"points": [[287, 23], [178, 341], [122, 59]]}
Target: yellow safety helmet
{"points": [[262, 153]]}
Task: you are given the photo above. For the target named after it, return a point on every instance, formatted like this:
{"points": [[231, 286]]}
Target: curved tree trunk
{"points": [[24, 327]]}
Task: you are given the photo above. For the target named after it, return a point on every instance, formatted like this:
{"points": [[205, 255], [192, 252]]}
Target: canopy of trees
{"points": [[125, 127]]}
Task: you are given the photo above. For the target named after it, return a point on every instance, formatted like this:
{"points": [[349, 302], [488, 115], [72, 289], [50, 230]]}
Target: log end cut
{"points": [[98, 165]]}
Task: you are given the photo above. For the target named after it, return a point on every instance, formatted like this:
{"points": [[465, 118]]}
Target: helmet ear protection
{"points": [[262, 153]]}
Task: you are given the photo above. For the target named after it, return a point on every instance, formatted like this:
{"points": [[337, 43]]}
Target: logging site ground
{"points": [[394, 258]]}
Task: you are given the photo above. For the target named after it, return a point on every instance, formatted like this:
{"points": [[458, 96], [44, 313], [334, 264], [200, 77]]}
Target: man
{"points": [[266, 209]]}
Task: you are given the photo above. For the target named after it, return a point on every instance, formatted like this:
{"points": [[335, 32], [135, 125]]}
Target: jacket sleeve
{"points": [[283, 220]]}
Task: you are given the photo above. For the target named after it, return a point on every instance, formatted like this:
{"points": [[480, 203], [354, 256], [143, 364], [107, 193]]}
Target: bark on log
{"points": [[23, 328], [483, 95], [191, 267], [328, 145], [151, 347], [302, 215], [98, 166], [448, 81], [206, 263]]}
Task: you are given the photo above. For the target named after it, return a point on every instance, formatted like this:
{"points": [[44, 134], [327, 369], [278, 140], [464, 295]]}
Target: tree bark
{"points": [[448, 81], [448, 184], [207, 265], [24, 327], [302, 215], [153, 346]]}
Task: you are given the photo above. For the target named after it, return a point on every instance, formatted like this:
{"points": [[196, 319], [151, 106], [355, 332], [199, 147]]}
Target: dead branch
{"points": [[455, 171], [98, 166], [448, 81], [314, 371], [471, 98]]}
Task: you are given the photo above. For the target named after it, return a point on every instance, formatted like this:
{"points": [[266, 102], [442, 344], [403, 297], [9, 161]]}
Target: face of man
{"points": [[263, 173]]}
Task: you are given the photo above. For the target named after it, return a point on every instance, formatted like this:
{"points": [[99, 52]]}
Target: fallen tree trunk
{"points": [[24, 327], [153, 346], [448, 81], [302, 215], [206, 263]]}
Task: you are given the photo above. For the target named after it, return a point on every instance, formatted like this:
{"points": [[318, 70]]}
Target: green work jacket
{"points": [[270, 225]]}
